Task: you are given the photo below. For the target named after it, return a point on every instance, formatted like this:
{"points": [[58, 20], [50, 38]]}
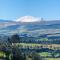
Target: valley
{"points": [[30, 40]]}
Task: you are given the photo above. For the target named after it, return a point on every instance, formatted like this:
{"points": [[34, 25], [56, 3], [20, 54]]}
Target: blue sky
{"points": [[13, 9]]}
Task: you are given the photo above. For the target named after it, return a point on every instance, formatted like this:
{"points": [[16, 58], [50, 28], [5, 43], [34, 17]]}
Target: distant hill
{"points": [[37, 28]]}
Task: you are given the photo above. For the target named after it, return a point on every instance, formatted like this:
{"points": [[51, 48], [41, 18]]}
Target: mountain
{"points": [[29, 26], [2, 20], [28, 19]]}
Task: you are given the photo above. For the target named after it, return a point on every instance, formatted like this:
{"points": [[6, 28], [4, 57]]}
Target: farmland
{"points": [[30, 48]]}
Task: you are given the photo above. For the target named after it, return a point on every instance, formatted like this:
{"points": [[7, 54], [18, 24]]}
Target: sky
{"points": [[14, 9]]}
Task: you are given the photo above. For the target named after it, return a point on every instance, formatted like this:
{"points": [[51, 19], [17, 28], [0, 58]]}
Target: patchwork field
{"points": [[50, 46]]}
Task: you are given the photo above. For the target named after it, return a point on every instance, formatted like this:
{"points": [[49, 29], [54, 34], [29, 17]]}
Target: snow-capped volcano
{"points": [[28, 19]]}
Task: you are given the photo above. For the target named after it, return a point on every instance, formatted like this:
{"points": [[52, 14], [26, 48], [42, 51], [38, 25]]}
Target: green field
{"points": [[50, 46], [52, 59], [44, 54]]}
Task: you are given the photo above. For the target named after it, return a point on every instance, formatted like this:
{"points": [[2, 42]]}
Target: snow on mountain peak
{"points": [[28, 19]]}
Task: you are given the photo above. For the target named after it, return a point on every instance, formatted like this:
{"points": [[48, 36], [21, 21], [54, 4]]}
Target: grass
{"points": [[52, 58], [43, 39], [2, 54], [44, 54]]}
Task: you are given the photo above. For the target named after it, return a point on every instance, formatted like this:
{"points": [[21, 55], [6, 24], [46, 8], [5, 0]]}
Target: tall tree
{"points": [[15, 38]]}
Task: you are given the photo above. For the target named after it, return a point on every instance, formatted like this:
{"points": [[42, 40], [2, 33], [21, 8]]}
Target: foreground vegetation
{"points": [[14, 49], [52, 58]]}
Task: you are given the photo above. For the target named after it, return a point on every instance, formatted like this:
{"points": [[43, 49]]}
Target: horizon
{"points": [[30, 19]]}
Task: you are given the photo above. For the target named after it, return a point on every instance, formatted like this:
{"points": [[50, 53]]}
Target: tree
{"points": [[17, 54], [15, 38]]}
